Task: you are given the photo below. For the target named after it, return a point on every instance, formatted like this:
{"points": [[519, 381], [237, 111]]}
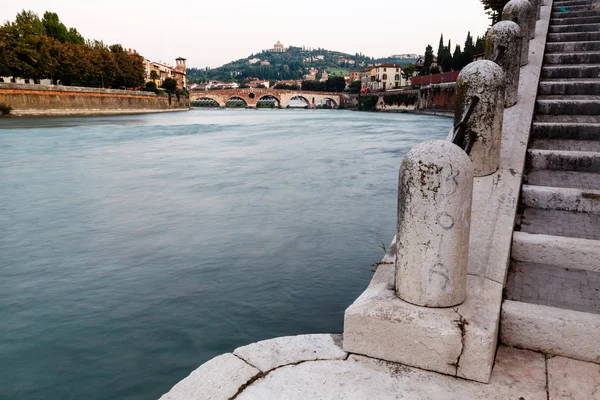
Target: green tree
{"points": [[494, 9], [335, 84], [446, 62], [355, 86], [169, 85], [457, 59], [408, 71], [428, 60], [54, 28]]}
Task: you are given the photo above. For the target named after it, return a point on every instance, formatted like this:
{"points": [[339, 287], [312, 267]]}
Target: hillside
{"points": [[293, 63]]}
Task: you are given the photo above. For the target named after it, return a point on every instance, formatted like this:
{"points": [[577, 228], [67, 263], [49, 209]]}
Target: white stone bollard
{"points": [[521, 12], [434, 222], [503, 46], [484, 79]]}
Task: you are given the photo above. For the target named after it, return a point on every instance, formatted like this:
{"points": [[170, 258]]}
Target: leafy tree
{"points": [[494, 8], [408, 71], [355, 86], [428, 60], [457, 59], [31, 22], [169, 85], [468, 50], [440, 52], [446, 62], [335, 84]]}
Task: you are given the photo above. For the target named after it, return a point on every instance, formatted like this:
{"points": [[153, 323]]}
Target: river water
{"points": [[135, 248]]}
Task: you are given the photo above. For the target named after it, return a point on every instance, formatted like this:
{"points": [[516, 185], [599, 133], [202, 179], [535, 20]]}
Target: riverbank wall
{"points": [[52, 100]]}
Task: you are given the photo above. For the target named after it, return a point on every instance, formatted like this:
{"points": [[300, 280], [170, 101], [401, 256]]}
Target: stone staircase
{"points": [[553, 288]]}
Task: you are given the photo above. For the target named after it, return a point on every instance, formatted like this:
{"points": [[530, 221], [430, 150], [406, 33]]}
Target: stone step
{"points": [[551, 330], [570, 87], [571, 2], [564, 179], [565, 130], [568, 105], [568, 119], [552, 285], [575, 28], [572, 7], [565, 144], [572, 224], [582, 254], [575, 21], [571, 71], [567, 47], [583, 57], [559, 198], [575, 14], [563, 160]]}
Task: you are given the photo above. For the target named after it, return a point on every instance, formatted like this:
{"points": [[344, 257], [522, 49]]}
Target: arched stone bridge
{"points": [[252, 96]]}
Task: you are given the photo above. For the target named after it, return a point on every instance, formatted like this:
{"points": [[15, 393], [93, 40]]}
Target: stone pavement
{"points": [[553, 286], [314, 367]]}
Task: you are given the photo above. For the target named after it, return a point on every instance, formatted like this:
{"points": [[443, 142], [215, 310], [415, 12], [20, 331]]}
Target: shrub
{"points": [[5, 109]]}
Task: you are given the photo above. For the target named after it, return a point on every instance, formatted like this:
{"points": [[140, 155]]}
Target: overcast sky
{"points": [[211, 33]]}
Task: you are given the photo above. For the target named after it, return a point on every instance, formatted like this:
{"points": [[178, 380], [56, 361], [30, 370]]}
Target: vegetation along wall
{"points": [[69, 100]]}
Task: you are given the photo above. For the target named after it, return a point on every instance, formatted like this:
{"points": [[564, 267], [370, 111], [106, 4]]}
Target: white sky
{"points": [[211, 33]]}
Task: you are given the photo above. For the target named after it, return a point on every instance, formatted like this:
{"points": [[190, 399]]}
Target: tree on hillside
{"points": [[428, 60], [336, 84], [355, 86], [169, 85], [408, 71], [457, 59], [440, 52], [30, 21], [494, 8], [468, 50]]}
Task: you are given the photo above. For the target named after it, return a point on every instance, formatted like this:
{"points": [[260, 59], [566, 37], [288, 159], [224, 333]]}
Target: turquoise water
{"points": [[135, 248]]}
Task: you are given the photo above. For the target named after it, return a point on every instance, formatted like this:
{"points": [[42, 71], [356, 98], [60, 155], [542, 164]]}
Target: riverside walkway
{"points": [[529, 324]]}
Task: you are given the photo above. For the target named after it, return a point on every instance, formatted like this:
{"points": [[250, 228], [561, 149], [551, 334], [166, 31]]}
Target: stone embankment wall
{"points": [[431, 99], [47, 100]]}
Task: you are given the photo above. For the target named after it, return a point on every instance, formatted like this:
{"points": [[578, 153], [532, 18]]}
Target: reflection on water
{"points": [[134, 248]]}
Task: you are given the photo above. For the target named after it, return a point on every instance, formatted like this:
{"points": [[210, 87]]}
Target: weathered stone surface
{"points": [[484, 79], [504, 42], [517, 374], [435, 187], [557, 250], [218, 379], [521, 12], [274, 353], [573, 380], [557, 198], [551, 330], [456, 341]]}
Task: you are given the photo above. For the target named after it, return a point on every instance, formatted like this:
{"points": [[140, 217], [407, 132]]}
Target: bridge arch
{"points": [[327, 102], [206, 101], [301, 98], [236, 101], [265, 98]]}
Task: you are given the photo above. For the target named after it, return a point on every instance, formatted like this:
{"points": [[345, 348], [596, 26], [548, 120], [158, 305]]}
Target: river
{"points": [[135, 248]]}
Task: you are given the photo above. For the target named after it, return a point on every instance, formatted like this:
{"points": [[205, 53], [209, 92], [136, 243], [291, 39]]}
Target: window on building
{"points": [[385, 70], [385, 77], [397, 77]]}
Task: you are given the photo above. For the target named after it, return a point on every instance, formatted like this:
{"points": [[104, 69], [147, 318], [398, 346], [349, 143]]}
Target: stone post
{"points": [[483, 79], [434, 213], [503, 43], [521, 12]]}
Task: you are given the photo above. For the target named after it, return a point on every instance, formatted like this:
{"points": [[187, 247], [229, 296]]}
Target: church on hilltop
{"points": [[278, 48]]}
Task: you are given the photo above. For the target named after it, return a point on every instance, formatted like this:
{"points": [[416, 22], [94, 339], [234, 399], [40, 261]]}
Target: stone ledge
{"points": [[218, 379], [459, 341], [558, 198], [74, 89], [556, 250], [274, 353], [551, 330], [517, 374]]}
